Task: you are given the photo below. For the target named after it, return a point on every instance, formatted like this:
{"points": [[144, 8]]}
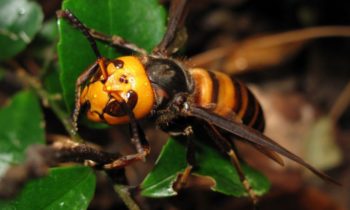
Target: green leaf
{"points": [[65, 188], [171, 162], [214, 165], [20, 20], [141, 22], [21, 124], [210, 163]]}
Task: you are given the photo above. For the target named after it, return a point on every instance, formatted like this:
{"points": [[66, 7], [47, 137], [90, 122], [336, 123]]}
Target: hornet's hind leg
{"points": [[191, 161], [225, 145]]}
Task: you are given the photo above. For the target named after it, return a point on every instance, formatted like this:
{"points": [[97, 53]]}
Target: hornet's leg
{"points": [[138, 139], [117, 41], [86, 75], [191, 161], [142, 148], [226, 146], [91, 34]]}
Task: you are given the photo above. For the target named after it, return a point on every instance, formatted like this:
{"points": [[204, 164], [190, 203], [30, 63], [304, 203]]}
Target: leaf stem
{"points": [[124, 194], [28, 80]]}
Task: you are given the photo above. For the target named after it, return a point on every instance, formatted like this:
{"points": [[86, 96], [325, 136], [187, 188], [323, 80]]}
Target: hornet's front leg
{"points": [[84, 77], [138, 138]]}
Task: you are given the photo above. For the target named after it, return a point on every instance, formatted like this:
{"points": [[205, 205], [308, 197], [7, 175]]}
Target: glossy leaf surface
{"points": [[20, 20], [172, 162], [65, 188]]}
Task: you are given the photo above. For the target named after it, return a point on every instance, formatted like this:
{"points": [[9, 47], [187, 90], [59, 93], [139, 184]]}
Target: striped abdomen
{"points": [[226, 97]]}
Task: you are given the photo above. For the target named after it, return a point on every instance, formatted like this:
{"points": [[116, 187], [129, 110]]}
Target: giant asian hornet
{"points": [[128, 88]]}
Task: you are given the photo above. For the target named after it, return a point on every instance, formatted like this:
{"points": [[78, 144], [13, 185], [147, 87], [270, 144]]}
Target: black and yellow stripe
{"points": [[226, 97]]}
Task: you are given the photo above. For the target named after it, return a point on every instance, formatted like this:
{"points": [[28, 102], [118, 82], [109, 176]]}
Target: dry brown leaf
{"points": [[263, 52]]}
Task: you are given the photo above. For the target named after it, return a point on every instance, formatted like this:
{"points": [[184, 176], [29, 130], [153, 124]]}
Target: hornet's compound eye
{"points": [[132, 99], [118, 63]]}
